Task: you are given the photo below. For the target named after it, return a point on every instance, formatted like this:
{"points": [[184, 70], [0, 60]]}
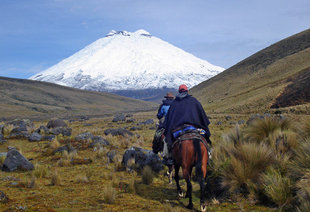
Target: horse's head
{"points": [[158, 141]]}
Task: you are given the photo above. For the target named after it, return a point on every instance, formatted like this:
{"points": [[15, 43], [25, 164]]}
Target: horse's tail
{"points": [[199, 157]]}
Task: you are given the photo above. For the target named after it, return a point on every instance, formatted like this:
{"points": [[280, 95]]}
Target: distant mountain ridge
{"points": [[41, 100], [129, 61], [277, 76]]}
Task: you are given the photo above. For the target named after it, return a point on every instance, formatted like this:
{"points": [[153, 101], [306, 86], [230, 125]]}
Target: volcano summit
{"points": [[129, 62]]}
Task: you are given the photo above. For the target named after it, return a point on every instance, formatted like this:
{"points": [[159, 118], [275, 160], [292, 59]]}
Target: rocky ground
{"points": [[94, 165]]}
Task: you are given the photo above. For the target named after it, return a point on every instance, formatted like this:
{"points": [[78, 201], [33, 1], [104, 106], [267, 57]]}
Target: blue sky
{"points": [[36, 34]]}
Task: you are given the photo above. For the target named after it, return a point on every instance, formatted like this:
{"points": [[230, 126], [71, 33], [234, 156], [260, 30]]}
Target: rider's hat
{"points": [[169, 95], [183, 88]]}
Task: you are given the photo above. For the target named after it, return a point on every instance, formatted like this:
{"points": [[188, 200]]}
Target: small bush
{"points": [[132, 185], [147, 175], [54, 144], [277, 187], [55, 179], [82, 179], [40, 171], [109, 194]]}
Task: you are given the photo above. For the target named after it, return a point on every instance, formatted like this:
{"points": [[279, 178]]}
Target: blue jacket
{"points": [[185, 109], [164, 107]]}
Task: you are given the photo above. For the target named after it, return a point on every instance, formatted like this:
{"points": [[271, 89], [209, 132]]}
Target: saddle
{"points": [[190, 136]]}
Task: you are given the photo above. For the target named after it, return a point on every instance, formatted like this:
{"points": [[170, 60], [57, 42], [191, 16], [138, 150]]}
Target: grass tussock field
{"points": [[260, 167]]}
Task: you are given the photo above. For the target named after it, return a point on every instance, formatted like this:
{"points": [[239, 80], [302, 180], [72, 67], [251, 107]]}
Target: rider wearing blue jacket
{"points": [[164, 107]]}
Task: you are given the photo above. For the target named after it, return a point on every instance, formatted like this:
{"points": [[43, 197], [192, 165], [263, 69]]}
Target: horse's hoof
{"points": [[190, 206], [181, 194], [203, 207]]}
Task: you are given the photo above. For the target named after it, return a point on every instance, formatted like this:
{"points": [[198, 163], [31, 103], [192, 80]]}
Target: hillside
{"points": [[277, 76], [27, 98]]}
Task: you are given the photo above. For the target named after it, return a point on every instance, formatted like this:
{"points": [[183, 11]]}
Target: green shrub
{"points": [[277, 187]]}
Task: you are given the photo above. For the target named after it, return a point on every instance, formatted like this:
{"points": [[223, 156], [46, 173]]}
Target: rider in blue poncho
{"points": [[164, 107], [185, 113]]}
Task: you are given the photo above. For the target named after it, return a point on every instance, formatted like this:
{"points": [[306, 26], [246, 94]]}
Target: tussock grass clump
{"points": [[40, 171], [2, 159], [278, 188], [305, 128], [81, 178], [260, 129], [147, 175], [55, 144], [247, 162], [300, 164], [101, 152], [303, 192], [55, 178], [109, 194], [7, 129]]}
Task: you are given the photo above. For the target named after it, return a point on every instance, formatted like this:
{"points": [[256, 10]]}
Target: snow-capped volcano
{"points": [[129, 61]]}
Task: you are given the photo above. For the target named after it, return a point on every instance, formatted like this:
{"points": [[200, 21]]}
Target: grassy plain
{"points": [[100, 185]]}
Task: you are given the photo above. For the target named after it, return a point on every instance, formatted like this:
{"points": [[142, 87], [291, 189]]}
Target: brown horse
{"points": [[188, 151]]}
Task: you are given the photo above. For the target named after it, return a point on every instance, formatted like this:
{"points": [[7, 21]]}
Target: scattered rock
{"points": [[135, 128], [67, 148], [98, 140], [56, 123], [240, 122], [35, 137], [232, 123], [119, 131], [16, 161], [88, 125], [3, 197], [219, 123], [19, 133], [141, 158], [253, 117], [2, 140], [130, 120], [48, 137], [228, 118], [42, 130], [83, 137], [65, 131], [119, 117], [1, 129], [149, 121], [23, 123], [152, 128]]}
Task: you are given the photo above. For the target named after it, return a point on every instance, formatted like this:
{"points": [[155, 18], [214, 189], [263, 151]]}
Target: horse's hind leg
{"points": [[187, 176], [202, 193], [176, 178]]}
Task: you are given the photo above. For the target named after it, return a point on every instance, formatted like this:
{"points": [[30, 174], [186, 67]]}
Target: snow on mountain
{"points": [[129, 61]]}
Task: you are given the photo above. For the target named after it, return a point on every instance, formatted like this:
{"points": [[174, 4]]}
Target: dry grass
{"points": [[81, 178], [247, 163], [55, 178], [303, 192], [147, 175], [109, 194], [40, 171], [278, 188]]}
